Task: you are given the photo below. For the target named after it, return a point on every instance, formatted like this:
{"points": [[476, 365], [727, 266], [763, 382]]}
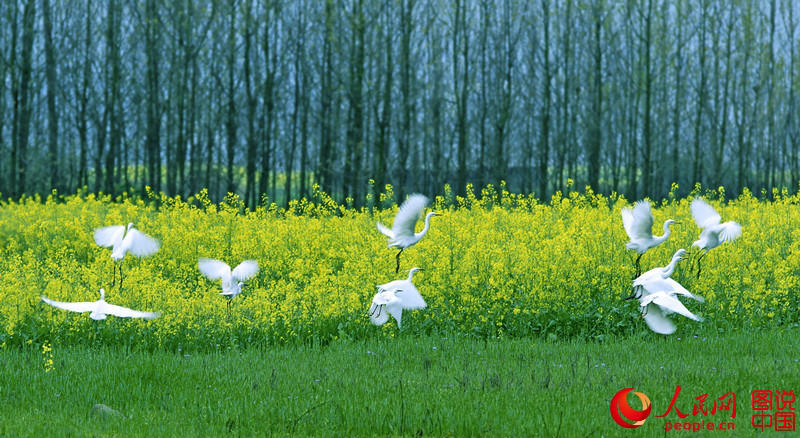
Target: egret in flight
{"points": [[657, 294], [714, 233], [100, 308], [134, 241], [402, 234], [638, 223], [232, 281], [393, 297]]}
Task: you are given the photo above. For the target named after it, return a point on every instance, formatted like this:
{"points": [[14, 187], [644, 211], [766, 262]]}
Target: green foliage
{"points": [[502, 265], [410, 386]]}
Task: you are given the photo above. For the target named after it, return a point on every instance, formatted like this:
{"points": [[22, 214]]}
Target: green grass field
{"points": [[407, 386]]}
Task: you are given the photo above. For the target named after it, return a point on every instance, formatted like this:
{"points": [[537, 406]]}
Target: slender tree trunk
{"points": [[269, 102], [230, 122], [461, 85], [544, 144], [677, 109], [23, 101], [52, 114], [701, 99], [646, 169], [406, 74], [153, 140], [324, 169], [384, 119], [250, 197], [299, 54], [113, 97], [596, 141]]}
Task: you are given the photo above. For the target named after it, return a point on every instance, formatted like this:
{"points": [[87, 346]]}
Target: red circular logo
{"points": [[624, 414]]}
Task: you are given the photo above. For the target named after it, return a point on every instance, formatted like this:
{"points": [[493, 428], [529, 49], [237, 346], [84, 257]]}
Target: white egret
{"points": [[134, 241], [393, 297], [232, 281], [638, 223], [402, 233], [100, 308], [656, 293], [714, 233], [656, 307]]}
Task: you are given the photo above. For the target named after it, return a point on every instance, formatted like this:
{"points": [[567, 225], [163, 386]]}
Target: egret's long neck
{"points": [[425, 229], [411, 273], [666, 234], [670, 268]]}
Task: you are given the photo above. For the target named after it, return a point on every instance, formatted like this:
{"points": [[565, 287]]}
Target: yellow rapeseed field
{"points": [[496, 265]]}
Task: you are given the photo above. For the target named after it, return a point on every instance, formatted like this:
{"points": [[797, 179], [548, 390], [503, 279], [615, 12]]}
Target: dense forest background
{"points": [[267, 97]]}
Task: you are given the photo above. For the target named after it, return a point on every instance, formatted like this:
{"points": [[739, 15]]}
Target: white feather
{"points": [[140, 244], [100, 308], [109, 236], [245, 270], [657, 321]]}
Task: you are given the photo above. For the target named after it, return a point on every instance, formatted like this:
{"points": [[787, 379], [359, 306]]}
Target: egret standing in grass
{"points": [[232, 281], [402, 233], [393, 297], [657, 295], [638, 223], [714, 233], [100, 309], [134, 241]]}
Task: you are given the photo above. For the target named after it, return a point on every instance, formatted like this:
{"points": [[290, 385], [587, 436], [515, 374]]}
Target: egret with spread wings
{"points": [[638, 223], [402, 234], [122, 242], [658, 296], [714, 233], [232, 281], [100, 309], [393, 297]]}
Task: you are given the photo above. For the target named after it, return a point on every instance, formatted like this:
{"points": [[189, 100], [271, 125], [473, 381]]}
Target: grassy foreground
{"points": [[422, 386]]}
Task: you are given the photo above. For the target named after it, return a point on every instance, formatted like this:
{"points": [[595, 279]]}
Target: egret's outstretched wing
{"points": [[657, 321], [729, 231], [408, 215], [670, 303], [395, 309], [410, 298], [108, 236], [704, 215], [140, 244], [642, 227], [385, 231], [124, 312], [391, 286], [627, 220], [670, 286], [245, 270], [213, 269], [80, 307]]}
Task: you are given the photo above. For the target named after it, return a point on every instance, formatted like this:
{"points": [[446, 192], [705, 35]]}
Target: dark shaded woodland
{"points": [[625, 96]]}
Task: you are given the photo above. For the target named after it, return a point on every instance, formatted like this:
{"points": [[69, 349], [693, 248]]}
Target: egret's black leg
{"points": [[113, 275], [698, 263], [638, 266], [120, 277], [397, 268]]}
